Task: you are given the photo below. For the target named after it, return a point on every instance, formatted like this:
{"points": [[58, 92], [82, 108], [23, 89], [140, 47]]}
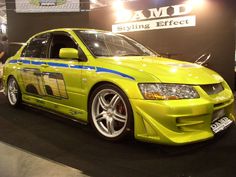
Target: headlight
{"points": [[167, 91]]}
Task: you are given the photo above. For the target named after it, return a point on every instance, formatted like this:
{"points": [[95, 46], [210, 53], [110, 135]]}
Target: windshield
{"points": [[110, 44]]}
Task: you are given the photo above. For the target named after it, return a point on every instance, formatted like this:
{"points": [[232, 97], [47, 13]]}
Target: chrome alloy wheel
{"points": [[109, 113], [12, 91]]}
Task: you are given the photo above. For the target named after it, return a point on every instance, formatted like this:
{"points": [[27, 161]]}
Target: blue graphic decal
{"points": [[13, 61], [63, 65], [113, 72], [82, 67], [22, 61], [58, 64], [76, 66], [25, 61], [89, 67], [37, 63]]}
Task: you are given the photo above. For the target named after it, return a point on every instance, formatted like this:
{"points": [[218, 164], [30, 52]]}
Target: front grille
{"points": [[212, 88], [192, 123]]}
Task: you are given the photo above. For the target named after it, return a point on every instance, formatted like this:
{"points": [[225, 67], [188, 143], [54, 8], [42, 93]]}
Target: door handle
{"points": [[44, 65]]}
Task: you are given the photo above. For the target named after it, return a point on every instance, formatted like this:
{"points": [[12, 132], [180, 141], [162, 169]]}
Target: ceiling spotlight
{"points": [[93, 1], [123, 15], [195, 2], [118, 5]]}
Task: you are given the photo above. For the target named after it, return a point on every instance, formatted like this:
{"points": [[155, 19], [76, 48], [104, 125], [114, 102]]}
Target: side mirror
{"points": [[69, 53]]}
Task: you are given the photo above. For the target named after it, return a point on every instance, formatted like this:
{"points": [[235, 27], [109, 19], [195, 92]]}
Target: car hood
{"points": [[163, 69]]}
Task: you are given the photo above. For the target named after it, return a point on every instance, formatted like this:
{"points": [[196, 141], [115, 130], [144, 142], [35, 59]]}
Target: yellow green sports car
{"points": [[118, 86]]}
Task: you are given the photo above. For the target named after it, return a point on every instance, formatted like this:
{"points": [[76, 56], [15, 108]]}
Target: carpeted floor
{"points": [[79, 147]]}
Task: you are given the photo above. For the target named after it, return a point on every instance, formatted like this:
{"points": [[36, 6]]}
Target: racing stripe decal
{"points": [[58, 64], [37, 62], [104, 70], [76, 66], [25, 61], [13, 61], [89, 67], [81, 67]]}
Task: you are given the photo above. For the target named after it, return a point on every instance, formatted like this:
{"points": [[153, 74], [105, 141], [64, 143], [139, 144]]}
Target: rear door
{"points": [[50, 81]]}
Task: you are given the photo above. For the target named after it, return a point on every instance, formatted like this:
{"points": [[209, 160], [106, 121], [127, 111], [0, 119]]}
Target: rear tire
{"points": [[110, 112], [13, 92]]}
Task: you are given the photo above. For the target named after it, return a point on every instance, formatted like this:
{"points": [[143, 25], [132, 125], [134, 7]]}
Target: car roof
{"points": [[70, 29], [66, 30]]}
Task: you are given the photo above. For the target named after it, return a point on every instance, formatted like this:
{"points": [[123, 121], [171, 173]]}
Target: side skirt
{"points": [[57, 109]]}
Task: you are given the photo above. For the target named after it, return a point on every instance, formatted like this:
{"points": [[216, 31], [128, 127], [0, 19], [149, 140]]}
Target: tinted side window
{"points": [[61, 41], [38, 47]]}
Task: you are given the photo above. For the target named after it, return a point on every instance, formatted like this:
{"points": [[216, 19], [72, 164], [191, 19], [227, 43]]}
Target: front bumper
{"points": [[180, 121]]}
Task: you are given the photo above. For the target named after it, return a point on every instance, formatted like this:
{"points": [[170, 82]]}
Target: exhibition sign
{"points": [[176, 16], [35, 6]]}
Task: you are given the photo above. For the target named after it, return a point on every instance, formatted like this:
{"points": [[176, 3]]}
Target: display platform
{"points": [[77, 146]]}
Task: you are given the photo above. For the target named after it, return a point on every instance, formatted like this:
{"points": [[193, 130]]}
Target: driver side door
{"points": [[62, 77]]}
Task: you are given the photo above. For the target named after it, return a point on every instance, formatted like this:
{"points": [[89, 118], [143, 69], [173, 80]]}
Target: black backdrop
{"points": [[23, 25], [214, 32]]}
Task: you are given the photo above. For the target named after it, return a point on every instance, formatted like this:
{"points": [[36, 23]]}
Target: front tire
{"points": [[110, 112], [13, 92]]}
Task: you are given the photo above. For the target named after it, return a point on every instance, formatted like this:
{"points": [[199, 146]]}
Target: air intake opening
{"points": [[212, 88]]}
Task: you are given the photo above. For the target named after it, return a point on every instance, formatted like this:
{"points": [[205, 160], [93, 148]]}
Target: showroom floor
{"points": [[16, 162], [39, 144]]}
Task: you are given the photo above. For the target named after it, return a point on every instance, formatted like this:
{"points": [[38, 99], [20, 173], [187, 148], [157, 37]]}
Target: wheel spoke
{"points": [[13, 85], [114, 100], [10, 87], [15, 91], [13, 97], [102, 102], [100, 117], [110, 126], [118, 117]]}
